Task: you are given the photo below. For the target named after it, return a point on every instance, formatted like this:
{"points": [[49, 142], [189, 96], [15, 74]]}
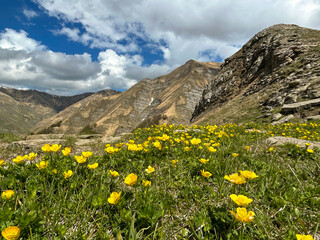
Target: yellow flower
{"points": [[195, 141], [248, 174], [247, 148], [2, 162], [212, 149], [67, 174], [235, 154], [6, 195], [131, 179], [114, 173], [31, 156], [114, 198], [241, 200], [174, 161], [243, 216], [80, 159], [132, 147], [146, 183], [87, 154], [93, 166], [150, 169], [54, 171], [205, 174], [11, 233], [55, 147], [271, 149], [157, 144], [111, 150], [235, 178], [310, 150], [187, 149], [42, 164], [304, 237], [46, 148], [308, 144], [119, 145], [18, 159], [66, 151], [202, 160]]}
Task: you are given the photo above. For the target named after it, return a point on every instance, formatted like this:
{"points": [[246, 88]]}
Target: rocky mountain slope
{"points": [[170, 98], [21, 110], [279, 65]]}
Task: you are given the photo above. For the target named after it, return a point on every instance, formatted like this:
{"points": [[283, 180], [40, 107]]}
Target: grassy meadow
{"points": [[168, 182]]}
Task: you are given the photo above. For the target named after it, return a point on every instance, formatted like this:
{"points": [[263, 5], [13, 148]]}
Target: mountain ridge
{"points": [[169, 98]]}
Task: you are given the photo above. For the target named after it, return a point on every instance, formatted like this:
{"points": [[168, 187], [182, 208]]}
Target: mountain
{"points": [[21, 110], [278, 66], [167, 99]]}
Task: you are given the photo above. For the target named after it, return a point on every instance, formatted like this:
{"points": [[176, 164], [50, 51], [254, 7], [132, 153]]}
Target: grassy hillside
{"points": [[182, 189]]}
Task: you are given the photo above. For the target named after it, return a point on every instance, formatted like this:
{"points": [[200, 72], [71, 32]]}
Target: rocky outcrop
{"points": [[279, 65], [295, 107], [167, 99]]}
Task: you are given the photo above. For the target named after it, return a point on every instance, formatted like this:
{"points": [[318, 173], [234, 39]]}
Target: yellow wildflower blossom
{"points": [[243, 216], [18, 159], [54, 171], [195, 141], [6, 195], [157, 144], [67, 174], [66, 151], [174, 161], [206, 174], [42, 164], [212, 149], [131, 179], [11, 233], [87, 154], [114, 173], [2, 162], [31, 156], [235, 178], [241, 200], [310, 150], [93, 166], [46, 148], [150, 169], [146, 183], [80, 159], [304, 237], [55, 147], [114, 198], [235, 155], [248, 174], [202, 160]]}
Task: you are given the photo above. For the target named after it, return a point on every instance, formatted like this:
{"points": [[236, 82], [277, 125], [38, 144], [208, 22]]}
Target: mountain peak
{"points": [[279, 64]]}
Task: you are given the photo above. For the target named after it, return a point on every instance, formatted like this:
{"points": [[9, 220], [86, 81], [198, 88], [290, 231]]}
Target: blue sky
{"points": [[67, 47]]}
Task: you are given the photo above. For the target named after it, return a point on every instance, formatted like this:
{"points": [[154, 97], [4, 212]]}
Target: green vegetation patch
{"points": [[169, 182]]}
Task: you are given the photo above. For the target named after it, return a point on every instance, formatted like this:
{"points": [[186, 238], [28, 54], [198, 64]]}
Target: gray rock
{"points": [[276, 117], [283, 120], [295, 107]]}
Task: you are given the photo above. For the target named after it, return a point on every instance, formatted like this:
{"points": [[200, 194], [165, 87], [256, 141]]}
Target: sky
{"points": [[67, 47]]}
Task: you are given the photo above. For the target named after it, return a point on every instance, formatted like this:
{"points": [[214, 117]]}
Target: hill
{"points": [[167, 99], [21, 110]]}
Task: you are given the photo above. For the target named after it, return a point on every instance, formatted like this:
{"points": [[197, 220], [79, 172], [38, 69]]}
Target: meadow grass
{"points": [[176, 195]]}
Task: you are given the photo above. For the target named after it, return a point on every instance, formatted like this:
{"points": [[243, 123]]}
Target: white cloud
{"points": [[202, 30], [13, 40], [29, 13], [219, 23], [31, 65]]}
